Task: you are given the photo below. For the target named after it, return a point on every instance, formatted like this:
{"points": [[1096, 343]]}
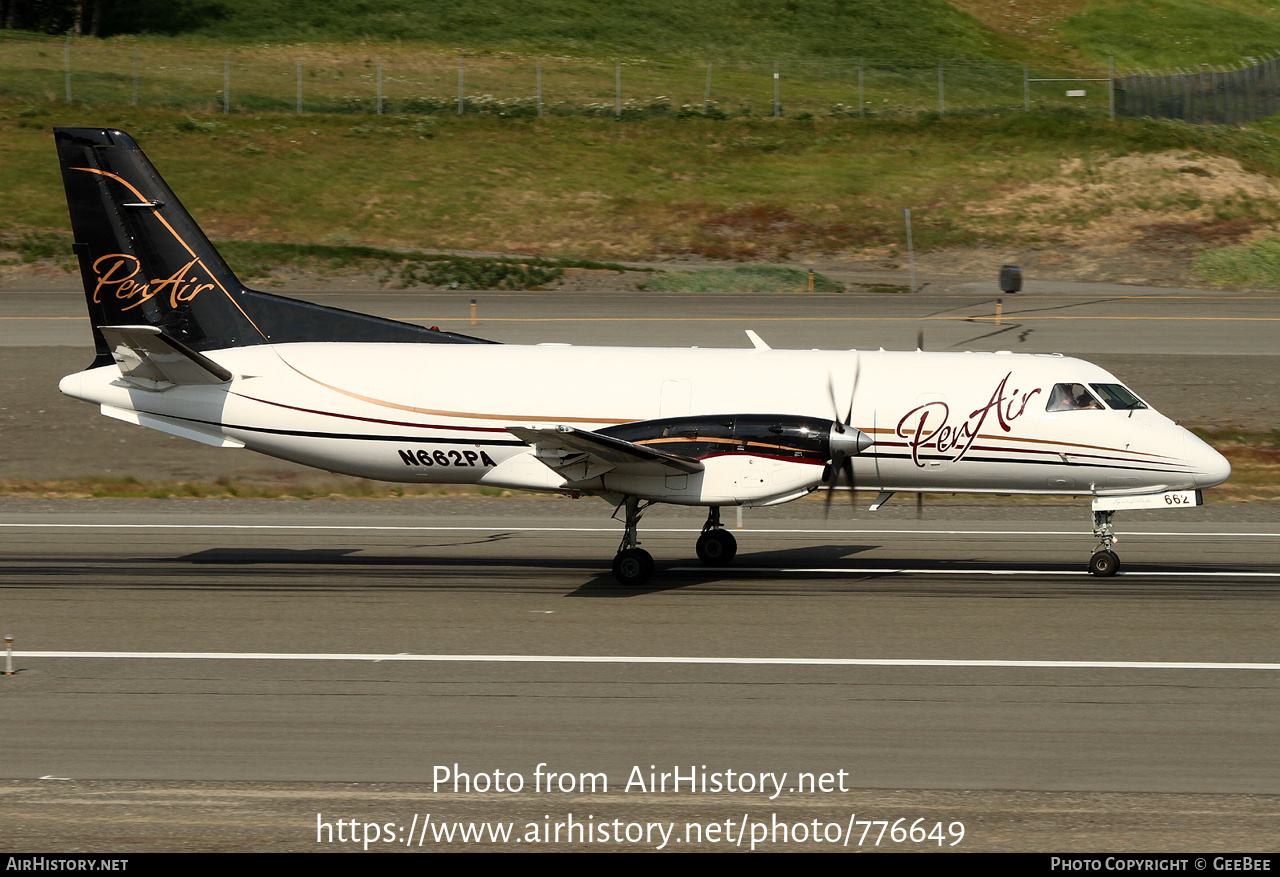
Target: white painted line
{"points": [[655, 659], [692, 529], [720, 571]]}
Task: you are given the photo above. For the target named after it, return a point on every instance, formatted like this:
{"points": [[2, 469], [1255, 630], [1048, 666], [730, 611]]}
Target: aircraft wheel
{"points": [[717, 547], [632, 567], [1104, 563]]}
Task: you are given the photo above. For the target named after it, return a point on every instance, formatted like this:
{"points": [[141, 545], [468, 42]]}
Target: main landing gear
{"points": [[1104, 561], [633, 566], [716, 546]]}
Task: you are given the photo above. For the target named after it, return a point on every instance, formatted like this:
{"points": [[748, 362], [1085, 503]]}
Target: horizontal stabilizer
{"points": [[578, 455], [150, 359]]}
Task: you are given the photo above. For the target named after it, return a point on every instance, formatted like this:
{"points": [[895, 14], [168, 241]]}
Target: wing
{"points": [[578, 455]]}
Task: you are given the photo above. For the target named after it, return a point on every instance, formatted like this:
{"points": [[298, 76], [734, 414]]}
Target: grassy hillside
{"points": [[733, 188], [1175, 33], [1138, 33], [743, 29]]}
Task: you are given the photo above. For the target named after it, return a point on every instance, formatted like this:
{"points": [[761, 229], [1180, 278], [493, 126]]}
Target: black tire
{"points": [[717, 547], [632, 567], [1104, 563]]}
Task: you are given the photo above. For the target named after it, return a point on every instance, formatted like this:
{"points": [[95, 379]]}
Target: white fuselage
{"points": [[944, 422]]}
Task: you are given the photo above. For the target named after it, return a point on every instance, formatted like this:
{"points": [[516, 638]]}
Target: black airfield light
{"points": [[1010, 279]]}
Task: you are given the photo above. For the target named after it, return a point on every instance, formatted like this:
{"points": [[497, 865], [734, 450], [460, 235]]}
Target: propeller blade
{"points": [[831, 477], [857, 375], [840, 462], [919, 506]]}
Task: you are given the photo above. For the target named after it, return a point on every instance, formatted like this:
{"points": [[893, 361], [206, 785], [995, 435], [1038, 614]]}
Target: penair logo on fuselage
{"points": [[928, 424], [118, 280]]}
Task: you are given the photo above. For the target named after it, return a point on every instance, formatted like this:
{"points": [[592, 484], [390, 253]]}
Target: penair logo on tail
{"points": [[118, 280]]}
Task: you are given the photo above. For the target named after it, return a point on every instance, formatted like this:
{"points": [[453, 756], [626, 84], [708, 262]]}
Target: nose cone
{"points": [[848, 441], [1208, 467]]}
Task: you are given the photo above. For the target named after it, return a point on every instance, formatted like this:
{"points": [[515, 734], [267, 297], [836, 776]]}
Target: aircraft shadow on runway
{"points": [[808, 569]]}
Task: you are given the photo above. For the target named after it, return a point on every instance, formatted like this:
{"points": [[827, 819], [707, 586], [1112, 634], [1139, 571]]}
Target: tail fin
{"points": [[144, 260]]}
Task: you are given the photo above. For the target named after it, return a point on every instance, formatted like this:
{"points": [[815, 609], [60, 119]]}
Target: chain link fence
{"points": [[1203, 95], [395, 80]]}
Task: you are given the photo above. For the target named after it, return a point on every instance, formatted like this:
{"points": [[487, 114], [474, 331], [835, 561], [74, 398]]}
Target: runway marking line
{"points": [[692, 529], [655, 659], [721, 570]]}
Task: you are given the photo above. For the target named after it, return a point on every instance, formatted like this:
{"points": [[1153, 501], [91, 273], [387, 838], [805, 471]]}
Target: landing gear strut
{"points": [[1104, 561], [716, 546], [632, 565]]}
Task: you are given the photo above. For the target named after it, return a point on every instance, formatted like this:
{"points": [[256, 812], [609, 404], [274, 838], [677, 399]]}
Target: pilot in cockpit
{"points": [[1071, 397]]}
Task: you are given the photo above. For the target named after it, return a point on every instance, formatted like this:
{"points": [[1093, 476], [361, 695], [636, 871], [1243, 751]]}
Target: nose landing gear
{"points": [[1104, 561], [716, 546]]}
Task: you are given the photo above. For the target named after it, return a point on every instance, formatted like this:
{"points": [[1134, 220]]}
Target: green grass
{"points": [[254, 259], [595, 189], [1181, 33], [38, 246], [754, 29], [746, 278], [423, 81], [250, 259], [1252, 264]]}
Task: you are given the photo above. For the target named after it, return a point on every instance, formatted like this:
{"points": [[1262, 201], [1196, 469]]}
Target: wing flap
{"points": [[579, 455]]}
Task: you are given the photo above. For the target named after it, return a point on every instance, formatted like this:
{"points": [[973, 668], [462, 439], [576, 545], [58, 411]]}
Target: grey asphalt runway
{"points": [[962, 668]]}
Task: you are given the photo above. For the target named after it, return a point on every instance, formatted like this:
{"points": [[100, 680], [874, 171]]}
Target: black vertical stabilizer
{"points": [[144, 260]]}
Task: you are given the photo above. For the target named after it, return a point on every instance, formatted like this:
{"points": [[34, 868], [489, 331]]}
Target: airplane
{"points": [[183, 347]]}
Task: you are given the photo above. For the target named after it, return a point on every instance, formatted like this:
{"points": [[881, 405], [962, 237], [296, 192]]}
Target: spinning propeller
{"points": [[920, 496], [845, 442]]}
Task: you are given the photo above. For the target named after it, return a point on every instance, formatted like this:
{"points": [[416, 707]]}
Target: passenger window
{"points": [[1071, 397], [1119, 397]]}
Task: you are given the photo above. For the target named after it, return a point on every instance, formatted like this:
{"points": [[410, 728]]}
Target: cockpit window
{"points": [[1119, 397], [1071, 397]]}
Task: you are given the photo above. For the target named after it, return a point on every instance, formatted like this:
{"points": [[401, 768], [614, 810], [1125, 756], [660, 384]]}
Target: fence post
{"points": [[1229, 93], [777, 94], [942, 104], [1271, 86], [226, 84], [379, 85], [1206, 95], [911, 251], [706, 95], [459, 87], [66, 63], [1111, 84]]}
